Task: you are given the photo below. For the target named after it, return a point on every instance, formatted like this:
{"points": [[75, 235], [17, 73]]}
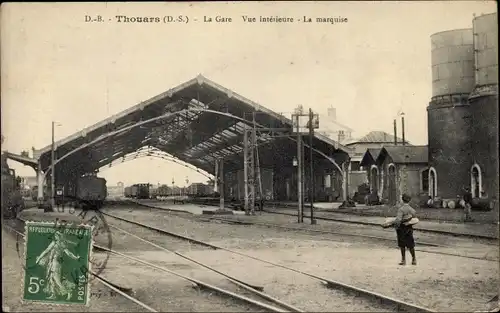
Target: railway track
{"points": [[432, 231], [347, 234], [195, 282], [324, 218], [388, 303], [317, 231]]}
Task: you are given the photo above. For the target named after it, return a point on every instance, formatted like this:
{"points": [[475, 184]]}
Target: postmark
{"points": [[66, 216], [57, 263]]}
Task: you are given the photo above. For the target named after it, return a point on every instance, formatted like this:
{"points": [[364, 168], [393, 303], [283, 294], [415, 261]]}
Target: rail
{"points": [[401, 305], [196, 282]]}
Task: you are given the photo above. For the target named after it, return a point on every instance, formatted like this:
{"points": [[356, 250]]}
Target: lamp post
{"points": [[52, 167], [299, 171]]}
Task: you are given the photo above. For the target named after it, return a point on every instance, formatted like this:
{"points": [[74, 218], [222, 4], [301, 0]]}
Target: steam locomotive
{"points": [[12, 200], [138, 191]]}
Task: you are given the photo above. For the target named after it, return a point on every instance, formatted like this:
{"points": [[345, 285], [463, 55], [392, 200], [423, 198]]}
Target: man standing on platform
{"points": [[467, 197]]}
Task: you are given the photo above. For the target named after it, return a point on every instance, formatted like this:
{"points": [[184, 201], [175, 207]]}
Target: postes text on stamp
{"points": [[57, 263]]}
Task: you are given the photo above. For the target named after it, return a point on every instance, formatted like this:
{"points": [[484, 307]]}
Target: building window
{"points": [[355, 166], [424, 179], [341, 135], [328, 181], [374, 179], [476, 181], [432, 183]]}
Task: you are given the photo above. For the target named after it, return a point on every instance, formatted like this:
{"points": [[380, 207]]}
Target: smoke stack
{"points": [[395, 134], [403, 128]]}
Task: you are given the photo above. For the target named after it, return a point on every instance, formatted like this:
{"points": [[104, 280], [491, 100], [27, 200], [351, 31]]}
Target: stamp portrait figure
{"points": [[51, 258], [57, 263]]}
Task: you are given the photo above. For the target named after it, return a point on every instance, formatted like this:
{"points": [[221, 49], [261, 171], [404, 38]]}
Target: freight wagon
{"points": [[153, 192], [133, 191], [137, 191], [164, 191], [200, 190], [88, 192], [93, 190], [128, 192], [142, 191]]}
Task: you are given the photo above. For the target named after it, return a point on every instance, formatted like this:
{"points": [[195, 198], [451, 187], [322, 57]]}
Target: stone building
{"points": [[358, 148], [394, 170], [330, 127]]}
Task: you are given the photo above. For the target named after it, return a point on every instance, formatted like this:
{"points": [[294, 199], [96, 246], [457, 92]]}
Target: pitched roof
{"points": [[165, 121], [370, 155], [405, 154], [377, 137]]}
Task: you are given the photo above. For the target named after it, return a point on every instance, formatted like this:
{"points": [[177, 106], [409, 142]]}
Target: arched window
{"points": [[476, 181], [424, 180], [392, 184], [374, 179], [432, 182]]}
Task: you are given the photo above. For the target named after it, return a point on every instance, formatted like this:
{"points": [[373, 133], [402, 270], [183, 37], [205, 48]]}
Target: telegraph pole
{"points": [[52, 170], [403, 127], [311, 168], [395, 133], [299, 172]]}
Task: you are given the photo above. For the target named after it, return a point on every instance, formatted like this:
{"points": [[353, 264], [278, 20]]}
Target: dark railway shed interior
{"points": [[201, 138]]}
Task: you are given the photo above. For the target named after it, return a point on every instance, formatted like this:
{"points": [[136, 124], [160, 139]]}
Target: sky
{"points": [[57, 67]]}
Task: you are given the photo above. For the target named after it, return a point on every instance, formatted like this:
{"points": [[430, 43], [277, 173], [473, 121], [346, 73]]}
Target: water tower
{"points": [[448, 113]]}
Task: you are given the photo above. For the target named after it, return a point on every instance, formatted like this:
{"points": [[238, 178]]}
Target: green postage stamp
{"points": [[57, 263]]}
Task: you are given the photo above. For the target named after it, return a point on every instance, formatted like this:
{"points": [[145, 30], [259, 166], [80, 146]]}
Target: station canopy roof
{"points": [[195, 136]]}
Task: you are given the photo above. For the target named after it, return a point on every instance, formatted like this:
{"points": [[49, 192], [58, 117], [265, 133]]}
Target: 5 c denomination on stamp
{"points": [[57, 263]]}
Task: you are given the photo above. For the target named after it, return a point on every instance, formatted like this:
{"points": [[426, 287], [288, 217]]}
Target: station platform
{"points": [[443, 215], [464, 229], [194, 209]]}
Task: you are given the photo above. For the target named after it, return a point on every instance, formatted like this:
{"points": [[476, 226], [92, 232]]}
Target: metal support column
{"points": [[251, 174], [40, 181], [345, 179], [249, 169], [52, 171], [216, 178], [245, 168], [256, 164], [221, 184]]}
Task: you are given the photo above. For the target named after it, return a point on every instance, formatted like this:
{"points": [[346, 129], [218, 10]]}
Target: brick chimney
{"points": [[341, 136]]}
